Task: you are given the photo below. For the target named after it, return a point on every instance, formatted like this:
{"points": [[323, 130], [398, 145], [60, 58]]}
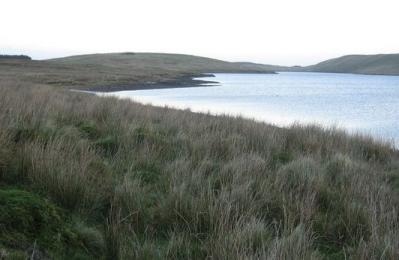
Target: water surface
{"points": [[362, 103]]}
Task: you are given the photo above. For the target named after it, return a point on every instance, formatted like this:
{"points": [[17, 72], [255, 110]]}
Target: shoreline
{"points": [[150, 161], [185, 81], [190, 82], [325, 126], [181, 82]]}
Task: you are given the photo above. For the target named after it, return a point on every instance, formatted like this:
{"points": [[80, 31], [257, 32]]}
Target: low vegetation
{"points": [[118, 69], [85, 177], [380, 64]]}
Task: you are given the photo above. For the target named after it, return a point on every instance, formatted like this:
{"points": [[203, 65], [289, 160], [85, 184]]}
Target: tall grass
{"points": [[142, 182]]}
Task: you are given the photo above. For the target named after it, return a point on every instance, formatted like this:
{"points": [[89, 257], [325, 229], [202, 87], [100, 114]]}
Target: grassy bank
{"points": [[84, 177], [119, 70]]}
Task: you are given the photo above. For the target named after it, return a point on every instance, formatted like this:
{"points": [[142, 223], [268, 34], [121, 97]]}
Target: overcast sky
{"points": [[286, 32]]}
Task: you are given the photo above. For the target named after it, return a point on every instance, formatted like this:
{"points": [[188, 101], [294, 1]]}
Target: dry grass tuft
{"points": [[162, 183]]}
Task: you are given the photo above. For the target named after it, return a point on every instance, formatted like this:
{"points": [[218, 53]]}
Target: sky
{"points": [[283, 32]]}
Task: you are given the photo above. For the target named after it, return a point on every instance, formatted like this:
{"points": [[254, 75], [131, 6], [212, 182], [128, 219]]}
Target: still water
{"points": [[357, 103]]}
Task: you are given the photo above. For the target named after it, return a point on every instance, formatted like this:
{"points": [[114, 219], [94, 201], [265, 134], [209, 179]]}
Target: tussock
{"points": [[154, 183]]}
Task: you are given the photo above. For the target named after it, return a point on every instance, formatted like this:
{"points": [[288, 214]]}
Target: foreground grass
{"points": [[84, 177]]}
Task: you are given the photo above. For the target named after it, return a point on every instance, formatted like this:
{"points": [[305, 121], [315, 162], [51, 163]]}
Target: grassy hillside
{"points": [[382, 64], [162, 61], [279, 68], [84, 177], [117, 69], [87, 177]]}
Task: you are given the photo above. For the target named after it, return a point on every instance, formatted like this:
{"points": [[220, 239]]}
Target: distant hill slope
{"points": [[274, 67], [381, 64], [163, 61], [121, 70], [143, 70]]}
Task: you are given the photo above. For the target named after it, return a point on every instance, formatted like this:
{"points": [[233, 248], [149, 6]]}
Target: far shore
{"points": [[181, 82], [187, 81]]}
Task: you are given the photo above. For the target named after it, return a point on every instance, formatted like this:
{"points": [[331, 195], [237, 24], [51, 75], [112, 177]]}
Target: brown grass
{"points": [[161, 183], [117, 69]]}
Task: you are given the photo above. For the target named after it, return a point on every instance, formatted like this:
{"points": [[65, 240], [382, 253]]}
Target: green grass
{"points": [[84, 177], [380, 64], [34, 226]]}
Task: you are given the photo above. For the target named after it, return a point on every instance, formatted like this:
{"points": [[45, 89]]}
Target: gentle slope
{"points": [[381, 64], [129, 70]]}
